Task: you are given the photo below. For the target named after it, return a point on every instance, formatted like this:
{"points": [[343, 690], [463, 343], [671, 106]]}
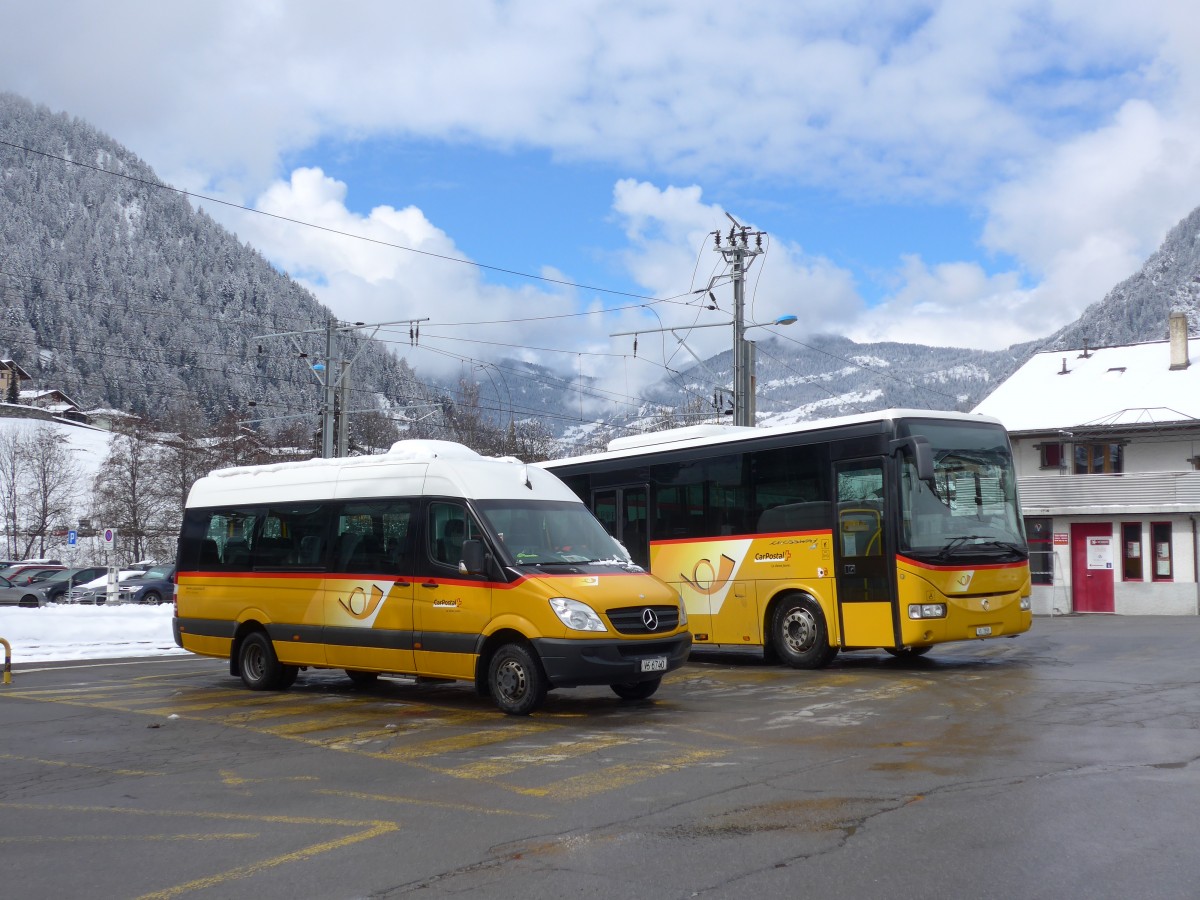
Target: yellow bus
{"points": [[897, 530], [429, 560]]}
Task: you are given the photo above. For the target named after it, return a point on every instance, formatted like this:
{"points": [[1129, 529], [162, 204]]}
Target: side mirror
{"points": [[472, 562], [922, 453]]}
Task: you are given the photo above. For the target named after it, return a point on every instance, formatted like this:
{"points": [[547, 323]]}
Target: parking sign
{"points": [[110, 535]]}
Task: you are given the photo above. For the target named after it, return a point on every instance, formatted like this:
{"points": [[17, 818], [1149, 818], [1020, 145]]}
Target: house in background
{"points": [[56, 403], [10, 372], [1107, 450]]}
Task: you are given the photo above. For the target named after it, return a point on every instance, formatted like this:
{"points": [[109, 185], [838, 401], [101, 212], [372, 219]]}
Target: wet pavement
{"points": [[1062, 763]]}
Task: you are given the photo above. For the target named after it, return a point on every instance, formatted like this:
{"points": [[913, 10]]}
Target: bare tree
{"points": [[529, 441], [12, 476], [39, 487], [129, 498], [52, 486], [374, 432]]}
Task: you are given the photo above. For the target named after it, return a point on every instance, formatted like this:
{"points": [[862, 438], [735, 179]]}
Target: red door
{"points": [[1092, 551]]}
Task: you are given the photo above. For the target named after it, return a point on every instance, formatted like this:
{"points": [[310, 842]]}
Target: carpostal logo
{"points": [[362, 604], [773, 556]]}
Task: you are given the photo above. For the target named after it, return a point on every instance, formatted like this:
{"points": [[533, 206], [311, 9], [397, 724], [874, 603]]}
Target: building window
{"points": [[1160, 542], [1038, 531], [1131, 551], [1052, 456], [1099, 459]]}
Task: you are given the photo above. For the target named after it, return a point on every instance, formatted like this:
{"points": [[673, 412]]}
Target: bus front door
{"points": [[623, 513], [862, 556]]}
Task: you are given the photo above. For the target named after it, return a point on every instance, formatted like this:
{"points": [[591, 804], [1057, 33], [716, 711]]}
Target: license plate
{"points": [[654, 664], [983, 631]]}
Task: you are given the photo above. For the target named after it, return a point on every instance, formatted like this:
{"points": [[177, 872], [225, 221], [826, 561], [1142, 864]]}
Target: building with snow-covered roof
{"points": [[1107, 449], [11, 376], [55, 402]]}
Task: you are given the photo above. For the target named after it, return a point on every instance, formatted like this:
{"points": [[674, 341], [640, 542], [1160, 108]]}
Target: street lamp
{"points": [[745, 380]]}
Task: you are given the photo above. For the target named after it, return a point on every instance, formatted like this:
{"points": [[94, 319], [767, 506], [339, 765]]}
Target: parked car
{"points": [[96, 590], [21, 571], [154, 585], [29, 575], [53, 587], [16, 594]]}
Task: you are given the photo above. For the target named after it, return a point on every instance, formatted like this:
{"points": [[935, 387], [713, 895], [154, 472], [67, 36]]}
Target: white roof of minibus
{"points": [[705, 435], [408, 469]]}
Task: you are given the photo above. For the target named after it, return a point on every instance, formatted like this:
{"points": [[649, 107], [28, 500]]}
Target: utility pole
{"points": [[333, 376], [328, 403], [737, 254]]}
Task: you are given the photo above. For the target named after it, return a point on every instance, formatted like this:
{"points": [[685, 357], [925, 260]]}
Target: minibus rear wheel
{"points": [[260, 667], [516, 680]]}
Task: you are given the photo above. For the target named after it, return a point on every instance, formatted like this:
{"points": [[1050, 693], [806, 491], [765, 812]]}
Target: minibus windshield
{"points": [[546, 532]]}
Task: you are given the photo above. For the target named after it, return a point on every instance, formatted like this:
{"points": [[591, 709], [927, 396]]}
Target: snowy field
{"points": [[63, 632]]}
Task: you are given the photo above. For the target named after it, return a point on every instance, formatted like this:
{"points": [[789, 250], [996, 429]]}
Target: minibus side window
{"points": [[226, 537], [374, 536], [447, 527], [291, 537]]}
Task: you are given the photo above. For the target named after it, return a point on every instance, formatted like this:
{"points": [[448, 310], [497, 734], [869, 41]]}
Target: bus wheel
{"points": [[260, 667], [516, 681], [799, 634], [907, 652], [636, 690], [362, 679]]}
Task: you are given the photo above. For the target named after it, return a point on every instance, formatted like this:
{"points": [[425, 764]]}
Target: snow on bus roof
{"points": [[401, 451], [409, 467]]}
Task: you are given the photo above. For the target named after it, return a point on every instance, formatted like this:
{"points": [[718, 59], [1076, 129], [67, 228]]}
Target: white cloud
{"points": [[394, 265], [1089, 214], [890, 97], [951, 304]]}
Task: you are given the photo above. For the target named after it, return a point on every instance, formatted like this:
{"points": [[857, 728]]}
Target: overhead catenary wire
{"points": [[506, 270]]}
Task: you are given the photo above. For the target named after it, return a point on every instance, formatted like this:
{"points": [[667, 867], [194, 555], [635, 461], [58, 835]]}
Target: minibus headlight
{"points": [[927, 611], [682, 612], [575, 615], [1026, 605]]}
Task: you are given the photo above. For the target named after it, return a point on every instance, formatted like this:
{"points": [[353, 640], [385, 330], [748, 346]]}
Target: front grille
{"points": [[632, 619]]}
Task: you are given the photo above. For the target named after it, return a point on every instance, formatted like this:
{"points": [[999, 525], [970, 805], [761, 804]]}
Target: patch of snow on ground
{"points": [[62, 632]]}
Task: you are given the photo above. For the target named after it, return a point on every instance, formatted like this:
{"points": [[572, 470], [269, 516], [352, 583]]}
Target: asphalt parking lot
{"points": [[1059, 764]]}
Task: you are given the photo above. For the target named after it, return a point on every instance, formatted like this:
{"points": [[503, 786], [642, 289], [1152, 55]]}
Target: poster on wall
{"points": [[1099, 553]]}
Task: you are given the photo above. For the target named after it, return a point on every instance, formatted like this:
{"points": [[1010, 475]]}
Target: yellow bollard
{"points": [[7, 661]]}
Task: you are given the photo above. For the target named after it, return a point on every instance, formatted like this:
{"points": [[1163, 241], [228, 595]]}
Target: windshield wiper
{"points": [[984, 545], [954, 543]]}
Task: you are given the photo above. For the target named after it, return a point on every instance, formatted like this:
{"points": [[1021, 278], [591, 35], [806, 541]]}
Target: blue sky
{"points": [[949, 173]]}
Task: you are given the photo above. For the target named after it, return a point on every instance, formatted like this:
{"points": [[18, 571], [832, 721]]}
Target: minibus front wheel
{"points": [[636, 690], [516, 681]]}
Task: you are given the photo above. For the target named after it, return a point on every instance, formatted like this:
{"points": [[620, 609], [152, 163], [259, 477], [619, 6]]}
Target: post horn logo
{"points": [[359, 605], [707, 581]]}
